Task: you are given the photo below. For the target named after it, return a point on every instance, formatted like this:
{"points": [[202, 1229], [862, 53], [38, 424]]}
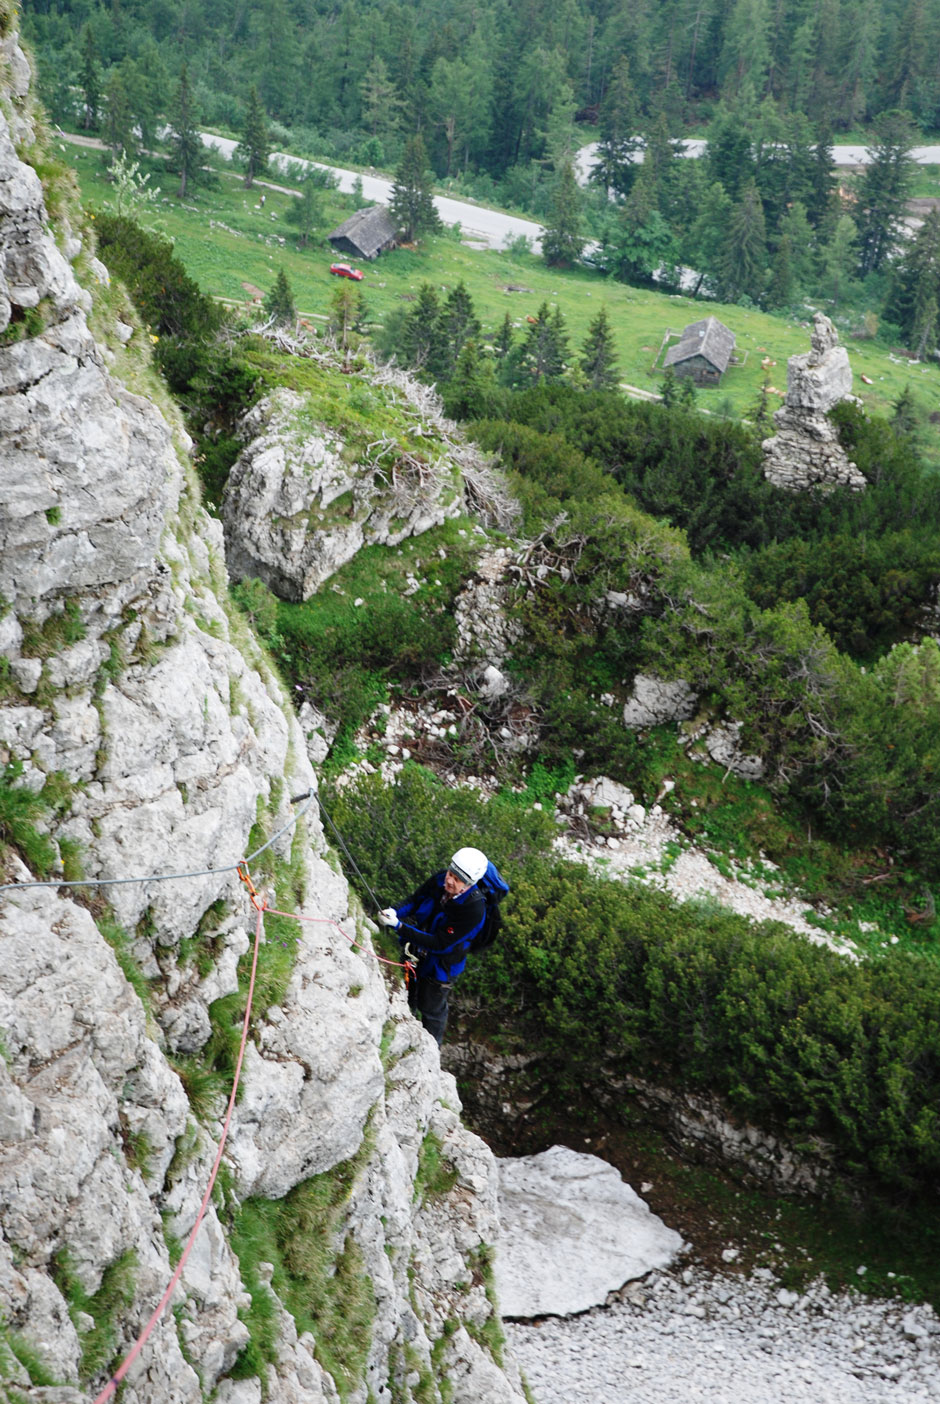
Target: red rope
{"points": [[118, 1376]]}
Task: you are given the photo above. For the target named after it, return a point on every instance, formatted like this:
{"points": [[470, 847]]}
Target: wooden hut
{"points": [[703, 351], [365, 234]]}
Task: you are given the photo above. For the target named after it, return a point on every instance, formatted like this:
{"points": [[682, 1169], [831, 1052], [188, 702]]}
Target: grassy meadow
{"points": [[233, 248]]}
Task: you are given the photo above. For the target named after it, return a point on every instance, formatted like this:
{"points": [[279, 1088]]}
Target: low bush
{"points": [[600, 975]]}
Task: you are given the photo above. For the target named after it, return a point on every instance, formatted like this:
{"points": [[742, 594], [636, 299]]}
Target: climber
{"points": [[436, 927]]}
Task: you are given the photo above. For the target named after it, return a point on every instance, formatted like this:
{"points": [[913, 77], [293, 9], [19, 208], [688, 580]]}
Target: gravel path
{"points": [[689, 1337]]}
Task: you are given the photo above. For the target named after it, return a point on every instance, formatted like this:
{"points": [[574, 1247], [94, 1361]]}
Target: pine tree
{"points": [[780, 292], [504, 338], [669, 388], [884, 189], [598, 356], [822, 202], [563, 241], [545, 346], [802, 252], [458, 324], [306, 211], [743, 259], [687, 393], [620, 144], [185, 141], [254, 147], [421, 342], [381, 105], [730, 153], [468, 395], [924, 331], [347, 318], [412, 203], [118, 122], [279, 302], [145, 83], [90, 79], [915, 284], [704, 240], [839, 256]]}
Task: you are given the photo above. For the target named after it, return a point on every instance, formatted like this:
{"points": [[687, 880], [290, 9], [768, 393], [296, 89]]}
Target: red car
{"points": [[343, 270]]}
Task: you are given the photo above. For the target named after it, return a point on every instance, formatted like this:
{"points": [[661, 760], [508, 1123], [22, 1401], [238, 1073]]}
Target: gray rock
{"points": [[572, 1231], [723, 744], [173, 755], [655, 701], [805, 450]]}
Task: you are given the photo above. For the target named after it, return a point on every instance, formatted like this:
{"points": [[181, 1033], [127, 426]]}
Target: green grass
{"points": [[743, 825], [226, 261], [436, 1174], [319, 1274], [801, 1239], [17, 1350], [106, 1307], [20, 808]]}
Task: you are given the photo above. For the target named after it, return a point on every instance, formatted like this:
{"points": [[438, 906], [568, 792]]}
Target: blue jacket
{"points": [[444, 928]]}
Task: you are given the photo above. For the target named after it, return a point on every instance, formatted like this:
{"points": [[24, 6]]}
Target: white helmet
{"points": [[468, 864]]}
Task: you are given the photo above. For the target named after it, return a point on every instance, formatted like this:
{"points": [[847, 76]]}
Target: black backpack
{"points": [[494, 888]]}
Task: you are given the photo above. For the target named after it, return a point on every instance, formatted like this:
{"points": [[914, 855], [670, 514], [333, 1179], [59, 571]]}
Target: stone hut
{"points": [[703, 352], [805, 451], [365, 234]]}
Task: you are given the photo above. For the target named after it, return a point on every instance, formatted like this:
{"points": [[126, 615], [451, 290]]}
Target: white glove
{"points": [[388, 917]]}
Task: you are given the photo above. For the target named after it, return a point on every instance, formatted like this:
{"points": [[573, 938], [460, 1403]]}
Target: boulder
{"points": [[655, 701], [572, 1232]]}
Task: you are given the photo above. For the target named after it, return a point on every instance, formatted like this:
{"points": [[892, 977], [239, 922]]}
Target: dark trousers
{"points": [[428, 998]]}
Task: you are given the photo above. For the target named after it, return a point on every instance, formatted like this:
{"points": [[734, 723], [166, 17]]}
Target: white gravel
{"points": [[685, 1336]]}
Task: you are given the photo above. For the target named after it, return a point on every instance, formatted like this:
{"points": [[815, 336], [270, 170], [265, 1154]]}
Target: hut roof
{"points": [[370, 230], [709, 338]]}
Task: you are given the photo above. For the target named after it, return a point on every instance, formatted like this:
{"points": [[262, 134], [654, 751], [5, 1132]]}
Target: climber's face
{"points": [[454, 885]]}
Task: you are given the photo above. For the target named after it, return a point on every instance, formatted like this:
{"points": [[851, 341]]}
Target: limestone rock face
{"points": [[297, 507], [572, 1231], [134, 681], [805, 451], [89, 471]]}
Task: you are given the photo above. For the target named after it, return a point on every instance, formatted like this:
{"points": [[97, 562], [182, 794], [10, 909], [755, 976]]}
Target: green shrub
{"points": [[867, 592], [209, 373], [598, 975]]}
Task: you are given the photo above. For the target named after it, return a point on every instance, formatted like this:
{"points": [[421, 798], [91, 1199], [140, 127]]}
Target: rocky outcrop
{"points": [[805, 451], [298, 504], [137, 705]]}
